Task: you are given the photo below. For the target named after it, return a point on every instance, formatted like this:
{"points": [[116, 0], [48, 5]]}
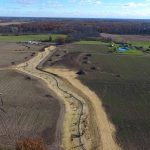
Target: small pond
{"points": [[123, 49]]}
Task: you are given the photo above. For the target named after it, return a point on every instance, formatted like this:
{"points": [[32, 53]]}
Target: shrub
{"points": [[31, 144], [80, 72], [50, 39], [60, 40], [13, 63]]}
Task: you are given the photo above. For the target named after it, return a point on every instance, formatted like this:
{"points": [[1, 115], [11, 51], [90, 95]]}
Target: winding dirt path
{"points": [[85, 125]]}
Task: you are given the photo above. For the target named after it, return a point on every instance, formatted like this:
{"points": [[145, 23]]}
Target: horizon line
{"points": [[75, 17]]}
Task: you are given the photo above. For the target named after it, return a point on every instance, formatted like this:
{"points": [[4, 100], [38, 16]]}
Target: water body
{"points": [[123, 49]]}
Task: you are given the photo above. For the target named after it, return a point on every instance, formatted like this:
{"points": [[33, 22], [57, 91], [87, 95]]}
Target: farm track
{"points": [[30, 67], [81, 127]]}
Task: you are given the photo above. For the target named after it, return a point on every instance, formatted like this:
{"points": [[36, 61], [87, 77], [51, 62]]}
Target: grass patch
{"points": [[94, 48], [24, 38], [133, 52], [143, 44], [90, 42]]}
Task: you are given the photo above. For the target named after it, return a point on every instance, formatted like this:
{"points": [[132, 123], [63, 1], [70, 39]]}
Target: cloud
{"points": [[95, 2], [138, 4], [54, 3], [26, 1]]}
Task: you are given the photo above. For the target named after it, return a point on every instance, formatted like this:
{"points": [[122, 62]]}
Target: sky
{"points": [[131, 9]]}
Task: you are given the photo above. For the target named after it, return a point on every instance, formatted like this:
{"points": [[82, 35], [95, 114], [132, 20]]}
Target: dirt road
{"points": [[85, 125]]}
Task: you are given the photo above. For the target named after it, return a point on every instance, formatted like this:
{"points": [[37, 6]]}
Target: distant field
{"points": [[123, 84], [90, 42], [104, 47], [133, 52], [131, 38], [10, 23], [145, 44], [24, 38]]}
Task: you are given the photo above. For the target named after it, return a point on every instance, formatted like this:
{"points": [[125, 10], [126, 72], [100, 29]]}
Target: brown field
{"points": [[10, 23], [17, 53], [27, 109], [137, 38]]}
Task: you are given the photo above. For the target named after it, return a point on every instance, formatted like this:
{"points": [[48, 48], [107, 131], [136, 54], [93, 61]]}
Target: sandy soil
{"points": [[105, 127]]}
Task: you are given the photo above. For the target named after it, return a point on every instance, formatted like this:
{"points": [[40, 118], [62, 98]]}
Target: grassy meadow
{"points": [[123, 84], [24, 38], [145, 44]]}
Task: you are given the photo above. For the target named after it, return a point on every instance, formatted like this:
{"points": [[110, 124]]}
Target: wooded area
{"points": [[77, 27]]}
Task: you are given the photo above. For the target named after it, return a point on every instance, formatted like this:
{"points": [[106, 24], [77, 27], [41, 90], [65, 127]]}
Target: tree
{"points": [[50, 39], [60, 40]]}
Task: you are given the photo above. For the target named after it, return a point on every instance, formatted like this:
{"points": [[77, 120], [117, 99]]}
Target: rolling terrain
{"points": [[86, 98], [80, 129], [121, 81]]}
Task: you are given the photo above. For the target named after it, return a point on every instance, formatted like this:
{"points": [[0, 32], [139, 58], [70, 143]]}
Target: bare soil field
{"points": [[27, 109], [10, 23], [14, 53], [137, 38]]}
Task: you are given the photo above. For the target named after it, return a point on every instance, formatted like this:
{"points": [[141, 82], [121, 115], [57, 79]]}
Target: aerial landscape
{"points": [[74, 75]]}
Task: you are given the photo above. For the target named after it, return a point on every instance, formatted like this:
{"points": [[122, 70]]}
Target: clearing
{"points": [[25, 38]]}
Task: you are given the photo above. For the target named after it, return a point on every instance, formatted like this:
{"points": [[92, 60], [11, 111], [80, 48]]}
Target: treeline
{"points": [[79, 27]]}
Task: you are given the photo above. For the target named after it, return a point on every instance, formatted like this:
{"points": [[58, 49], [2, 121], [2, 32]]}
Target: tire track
{"points": [[54, 76], [82, 107], [30, 67]]}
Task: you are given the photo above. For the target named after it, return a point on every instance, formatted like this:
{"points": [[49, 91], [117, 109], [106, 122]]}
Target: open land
{"points": [[14, 53], [121, 81], [24, 38], [136, 40], [27, 110], [6, 23], [111, 112], [81, 130]]}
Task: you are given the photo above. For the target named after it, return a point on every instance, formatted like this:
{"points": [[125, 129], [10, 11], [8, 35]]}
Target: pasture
{"points": [[127, 38], [24, 38], [123, 84]]}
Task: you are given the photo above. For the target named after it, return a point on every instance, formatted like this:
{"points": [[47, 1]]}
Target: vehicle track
{"points": [[57, 85], [83, 124], [71, 95]]}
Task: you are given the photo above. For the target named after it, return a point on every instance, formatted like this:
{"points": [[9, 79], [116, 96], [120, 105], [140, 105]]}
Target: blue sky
{"points": [[77, 8]]}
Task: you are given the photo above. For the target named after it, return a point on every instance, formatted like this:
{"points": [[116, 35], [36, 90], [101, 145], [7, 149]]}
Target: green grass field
{"points": [[91, 42], [104, 47], [132, 52], [143, 44], [123, 84], [23, 38]]}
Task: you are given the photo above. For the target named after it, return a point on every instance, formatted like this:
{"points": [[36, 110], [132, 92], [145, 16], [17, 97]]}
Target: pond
{"points": [[123, 49]]}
